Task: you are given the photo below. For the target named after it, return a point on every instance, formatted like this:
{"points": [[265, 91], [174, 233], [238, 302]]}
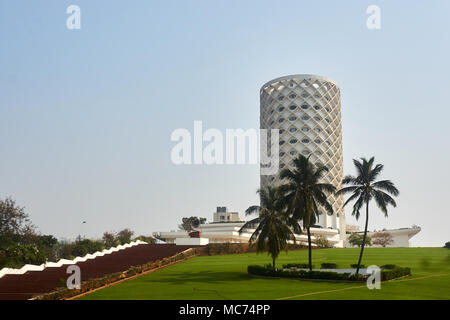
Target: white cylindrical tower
{"points": [[307, 111]]}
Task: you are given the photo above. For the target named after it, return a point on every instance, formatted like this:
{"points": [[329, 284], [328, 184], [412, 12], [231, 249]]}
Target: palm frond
{"points": [[346, 190], [252, 209], [386, 185]]}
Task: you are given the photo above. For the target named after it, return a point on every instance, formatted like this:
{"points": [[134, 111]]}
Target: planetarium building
{"points": [[307, 111]]}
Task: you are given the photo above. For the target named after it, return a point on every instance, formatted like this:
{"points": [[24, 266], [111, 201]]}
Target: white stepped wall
{"points": [[32, 267]]}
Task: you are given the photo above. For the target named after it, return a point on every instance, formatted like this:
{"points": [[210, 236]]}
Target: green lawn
{"points": [[225, 277]]}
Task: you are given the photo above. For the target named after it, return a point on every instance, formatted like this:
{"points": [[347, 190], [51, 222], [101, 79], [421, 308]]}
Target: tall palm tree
{"points": [[364, 188], [273, 224], [304, 193]]}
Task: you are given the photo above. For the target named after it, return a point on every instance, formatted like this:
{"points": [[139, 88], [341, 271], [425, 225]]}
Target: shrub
{"points": [[393, 273], [386, 274], [304, 274], [328, 265], [322, 242], [447, 245], [382, 239], [355, 265], [355, 239]]}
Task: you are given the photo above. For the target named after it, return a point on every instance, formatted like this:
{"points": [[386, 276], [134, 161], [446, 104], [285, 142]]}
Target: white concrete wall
{"points": [[191, 241]]}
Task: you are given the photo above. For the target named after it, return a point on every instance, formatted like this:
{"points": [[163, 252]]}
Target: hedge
{"points": [[303, 274], [386, 274], [355, 265], [397, 272]]}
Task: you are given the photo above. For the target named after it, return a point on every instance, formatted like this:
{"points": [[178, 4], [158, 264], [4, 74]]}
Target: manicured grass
{"points": [[225, 277]]}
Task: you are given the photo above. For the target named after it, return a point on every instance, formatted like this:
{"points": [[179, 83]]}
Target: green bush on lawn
{"points": [[397, 272], [303, 274], [268, 271], [328, 265]]}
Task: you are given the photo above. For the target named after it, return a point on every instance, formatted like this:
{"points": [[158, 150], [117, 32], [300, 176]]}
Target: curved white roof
{"points": [[300, 77]]}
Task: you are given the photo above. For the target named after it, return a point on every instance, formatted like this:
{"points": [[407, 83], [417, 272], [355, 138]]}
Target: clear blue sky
{"points": [[86, 115]]}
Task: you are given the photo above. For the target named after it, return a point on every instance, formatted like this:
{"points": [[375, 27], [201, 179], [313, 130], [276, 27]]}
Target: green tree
{"points": [[356, 239], [15, 224], [84, 246], [124, 236], [273, 225], [363, 188], [110, 240], [322, 242], [190, 223], [148, 239], [304, 193]]}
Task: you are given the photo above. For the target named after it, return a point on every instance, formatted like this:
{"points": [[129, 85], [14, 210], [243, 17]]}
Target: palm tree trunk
{"points": [[364, 238], [273, 263], [309, 249]]}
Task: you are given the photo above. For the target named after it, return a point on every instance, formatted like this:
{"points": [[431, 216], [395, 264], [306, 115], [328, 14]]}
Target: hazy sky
{"points": [[86, 115]]}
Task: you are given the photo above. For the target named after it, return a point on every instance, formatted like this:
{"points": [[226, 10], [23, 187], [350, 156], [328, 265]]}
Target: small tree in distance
{"points": [[190, 223], [322, 242], [124, 236], [356, 239], [110, 240], [382, 239]]}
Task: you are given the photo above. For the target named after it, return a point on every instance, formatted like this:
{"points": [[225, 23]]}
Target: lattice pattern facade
{"points": [[307, 111]]}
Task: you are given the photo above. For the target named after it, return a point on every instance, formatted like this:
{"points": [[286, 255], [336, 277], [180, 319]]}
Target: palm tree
{"points": [[364, 188], [304, 193], [274, 225]]}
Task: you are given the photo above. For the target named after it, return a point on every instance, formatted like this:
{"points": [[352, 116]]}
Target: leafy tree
{"points": [[322, 242], [124, 236], [447, 245], [84, 246], [110, 240], [304, 192], [382, 239], [190, 223], [363, 188], [15, 224], [145, 239], [15, 256], [273, 223], [356, 239]]}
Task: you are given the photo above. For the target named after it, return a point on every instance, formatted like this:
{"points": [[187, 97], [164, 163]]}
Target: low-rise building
{"points": [[223, 230], [400, 236]]}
